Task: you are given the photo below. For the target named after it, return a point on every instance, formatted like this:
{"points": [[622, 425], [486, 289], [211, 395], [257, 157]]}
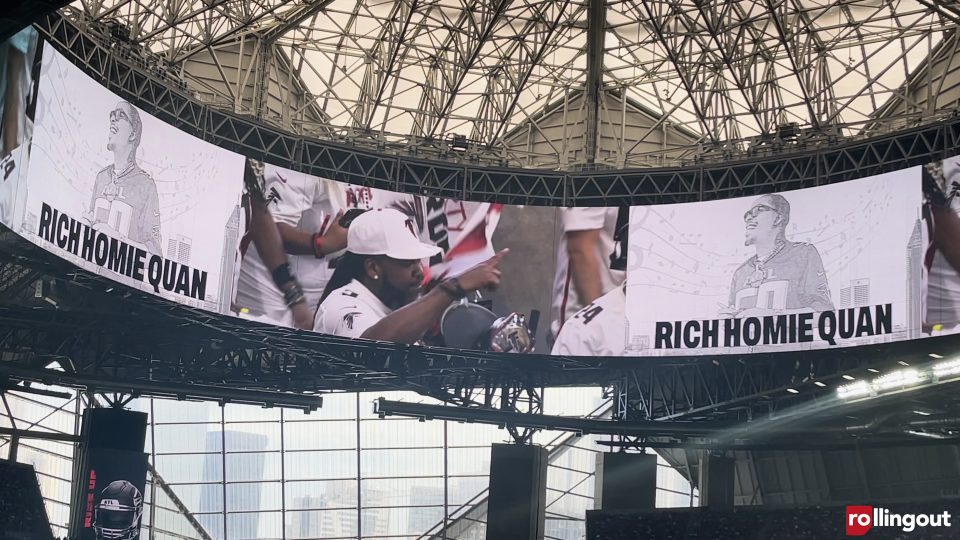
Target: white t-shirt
{"points": [[943, 280], [565, 298], [349, 311], [599, 329]]}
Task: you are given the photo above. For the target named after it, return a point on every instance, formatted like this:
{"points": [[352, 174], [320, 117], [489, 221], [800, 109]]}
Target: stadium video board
{"points": [[18, 78], [813, 268], [122, 194]]}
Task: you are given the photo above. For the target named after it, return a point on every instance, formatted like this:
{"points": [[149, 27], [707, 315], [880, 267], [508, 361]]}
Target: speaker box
{"points": [[716, 482], [116, 429], [625, 482], [518, 490]]}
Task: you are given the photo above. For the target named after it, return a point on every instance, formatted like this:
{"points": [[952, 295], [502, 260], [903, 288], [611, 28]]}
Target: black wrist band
{"points": [[453, 288], [282, 274]]}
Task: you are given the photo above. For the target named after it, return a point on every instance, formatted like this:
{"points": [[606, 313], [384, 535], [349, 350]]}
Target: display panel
{"points": [[18, 77], [941, 261], [465, 234], [112, 504], [836, 265], [122, 194], [127, 196]]}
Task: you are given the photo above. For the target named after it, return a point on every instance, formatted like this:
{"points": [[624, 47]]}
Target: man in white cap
{"points": [[374, 292]]}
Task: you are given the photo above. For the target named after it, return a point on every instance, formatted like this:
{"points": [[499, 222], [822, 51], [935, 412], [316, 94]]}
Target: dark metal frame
{"points": [[842, 159], [109, 338], [222, 358]]}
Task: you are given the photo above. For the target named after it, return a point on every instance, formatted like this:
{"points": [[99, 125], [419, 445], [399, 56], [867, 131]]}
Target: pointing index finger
{"points": [[499, 256]]}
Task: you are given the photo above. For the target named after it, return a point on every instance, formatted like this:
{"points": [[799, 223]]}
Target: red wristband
{"points": [[318, 245]]}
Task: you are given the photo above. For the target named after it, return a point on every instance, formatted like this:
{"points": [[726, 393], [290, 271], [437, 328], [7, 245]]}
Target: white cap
{"points": [[389, 232]]}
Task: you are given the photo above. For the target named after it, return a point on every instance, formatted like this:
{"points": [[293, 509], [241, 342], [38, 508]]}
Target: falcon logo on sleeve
{"points": [[274, 196], [349, 318]]}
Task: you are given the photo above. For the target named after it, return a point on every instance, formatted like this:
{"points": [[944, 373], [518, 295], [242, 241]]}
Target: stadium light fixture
{"points": [[946, 369], [849, 377], [793, 390], [897, 379], [459, 143], [901, 379], [820, 384], [935, 355], [926, 434], [854, 390]]}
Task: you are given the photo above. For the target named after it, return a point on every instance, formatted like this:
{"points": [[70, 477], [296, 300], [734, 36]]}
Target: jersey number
{"points": [[589, 313]]}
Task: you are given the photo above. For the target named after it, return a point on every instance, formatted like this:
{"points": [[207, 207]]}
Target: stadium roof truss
{"points": [[762, 169], [418, 73]]}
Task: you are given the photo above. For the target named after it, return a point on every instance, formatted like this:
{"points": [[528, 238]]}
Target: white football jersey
{"points": [[565, 298], [349, 311], [599, 329]]}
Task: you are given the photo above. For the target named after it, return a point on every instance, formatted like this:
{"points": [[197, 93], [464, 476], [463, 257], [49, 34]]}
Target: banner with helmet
{"points": [[113, 507], [125, 195], [829, 266], [110, 472]]}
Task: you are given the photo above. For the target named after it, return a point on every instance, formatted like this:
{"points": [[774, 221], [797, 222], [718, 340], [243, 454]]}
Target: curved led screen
{"points": [[819, 267], [122, 194]]}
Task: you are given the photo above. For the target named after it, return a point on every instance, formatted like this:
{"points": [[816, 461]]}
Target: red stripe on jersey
{"points": [[566, 296]]}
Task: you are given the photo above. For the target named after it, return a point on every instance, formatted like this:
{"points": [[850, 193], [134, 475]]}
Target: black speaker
{"points": [[717, 482], [518, 489], [625, 482], [116, 429]]}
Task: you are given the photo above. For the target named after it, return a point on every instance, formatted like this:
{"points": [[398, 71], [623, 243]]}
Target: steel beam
{"points": [[830, 158]]}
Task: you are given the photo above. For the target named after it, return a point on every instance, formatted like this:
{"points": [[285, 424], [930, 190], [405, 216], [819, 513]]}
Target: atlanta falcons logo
{"points": [[274, 197], [349, 318]]}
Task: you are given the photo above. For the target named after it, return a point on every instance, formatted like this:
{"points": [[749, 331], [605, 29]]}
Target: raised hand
{"points": [[485, 275]]}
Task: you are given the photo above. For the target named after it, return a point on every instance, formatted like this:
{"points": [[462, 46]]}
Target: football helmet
{"points": [[117, 514]]}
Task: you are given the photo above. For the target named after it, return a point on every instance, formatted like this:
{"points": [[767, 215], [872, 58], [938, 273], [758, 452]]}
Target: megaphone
{"points": [[467, 325]]}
